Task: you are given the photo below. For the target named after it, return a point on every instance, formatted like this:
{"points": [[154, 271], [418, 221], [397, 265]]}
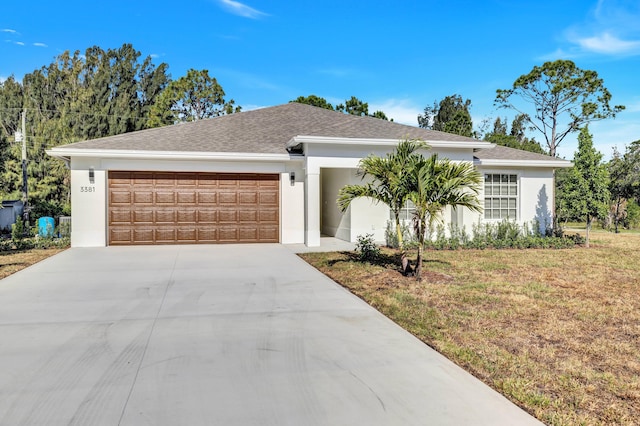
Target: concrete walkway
{"points": [[216, 335]]}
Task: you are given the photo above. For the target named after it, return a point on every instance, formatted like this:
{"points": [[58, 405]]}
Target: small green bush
{"points": [[367, 249]]}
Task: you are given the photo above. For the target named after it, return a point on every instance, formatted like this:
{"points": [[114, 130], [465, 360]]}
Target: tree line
{"points": [[81, 96]]}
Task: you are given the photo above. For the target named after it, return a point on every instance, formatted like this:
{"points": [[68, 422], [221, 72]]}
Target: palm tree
{"points": [[435, 185], [389, 181]]}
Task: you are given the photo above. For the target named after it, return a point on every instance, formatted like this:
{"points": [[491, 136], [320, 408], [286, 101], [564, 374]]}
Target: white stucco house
{"points": [[271, 175]]}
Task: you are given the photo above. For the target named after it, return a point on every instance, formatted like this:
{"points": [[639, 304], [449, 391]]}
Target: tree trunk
{"points": [[588, 230], [399, 234], [419, 264], [404, 260], [616, 219]]}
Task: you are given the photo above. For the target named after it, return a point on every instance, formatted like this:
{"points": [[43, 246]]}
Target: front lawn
{"points": [[555, 331]]}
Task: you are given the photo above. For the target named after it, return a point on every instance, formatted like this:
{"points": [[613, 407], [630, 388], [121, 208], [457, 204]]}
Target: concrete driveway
{"points": [[216, 335]]}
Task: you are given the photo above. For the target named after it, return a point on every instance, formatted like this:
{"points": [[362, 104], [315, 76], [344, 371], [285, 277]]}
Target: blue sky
{"points": [[397, 56]]}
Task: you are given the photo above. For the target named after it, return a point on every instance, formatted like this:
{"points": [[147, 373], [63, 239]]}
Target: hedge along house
{"points": [[271, 175]]}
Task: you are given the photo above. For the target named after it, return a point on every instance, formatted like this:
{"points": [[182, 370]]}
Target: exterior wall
{"points": [[292, 207], [88, 204], [333, 222], [535, 197], [89, 200], [364, 216], [368, 217]]}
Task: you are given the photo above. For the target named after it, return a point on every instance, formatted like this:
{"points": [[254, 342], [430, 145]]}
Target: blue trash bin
{"points": [[46, 226]]}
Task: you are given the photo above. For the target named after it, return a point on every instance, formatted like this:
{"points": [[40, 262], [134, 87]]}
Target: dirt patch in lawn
{"points": [[556, 331]]}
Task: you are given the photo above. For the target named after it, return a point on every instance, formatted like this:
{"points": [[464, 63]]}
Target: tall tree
{"points": [[354, 106], [192, 97], [314, 101], [624, 184], [564, 99], [514, 139], [438, 183], [586, 188], [450, 115], [75, 97]]}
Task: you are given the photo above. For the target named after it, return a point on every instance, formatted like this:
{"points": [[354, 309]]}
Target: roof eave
{"points": [[324, 140], [556, 164], [66, 154]]}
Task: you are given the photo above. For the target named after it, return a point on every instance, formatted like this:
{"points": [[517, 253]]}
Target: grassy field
{"points": [[13, 261], [555, 331]]}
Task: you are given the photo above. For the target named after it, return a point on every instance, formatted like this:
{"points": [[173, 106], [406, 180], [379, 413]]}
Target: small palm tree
{"points": [[390, 177], [435, 185]]}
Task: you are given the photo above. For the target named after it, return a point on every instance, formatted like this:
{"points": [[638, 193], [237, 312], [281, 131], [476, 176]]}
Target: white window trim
{"points": [[517, 196]]}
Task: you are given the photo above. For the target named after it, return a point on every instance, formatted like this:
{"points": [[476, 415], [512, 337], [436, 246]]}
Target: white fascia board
{"points": [[171, 155], [297, 140], [557, 164]]}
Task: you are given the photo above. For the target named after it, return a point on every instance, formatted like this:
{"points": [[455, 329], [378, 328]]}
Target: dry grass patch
{"points": [[13, 261], [556, 331]]}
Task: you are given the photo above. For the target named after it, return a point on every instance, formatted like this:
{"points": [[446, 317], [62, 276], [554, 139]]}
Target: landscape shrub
{"points": [[505, 234], [367, 248]]}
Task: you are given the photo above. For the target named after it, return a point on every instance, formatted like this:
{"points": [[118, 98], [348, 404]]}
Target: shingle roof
{"points": [[505, 153], [264, 131], [267, 131]]}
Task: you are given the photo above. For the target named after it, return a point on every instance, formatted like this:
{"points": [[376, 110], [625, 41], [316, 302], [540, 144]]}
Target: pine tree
{"points": [[586, 189]]}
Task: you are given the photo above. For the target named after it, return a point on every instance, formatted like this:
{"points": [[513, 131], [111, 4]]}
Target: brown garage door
{"points": [[192, 208]]}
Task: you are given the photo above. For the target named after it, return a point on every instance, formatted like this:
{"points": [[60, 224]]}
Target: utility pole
{"points": [[25, 194]]}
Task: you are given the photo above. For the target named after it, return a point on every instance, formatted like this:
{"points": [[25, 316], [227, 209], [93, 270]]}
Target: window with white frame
{"points": [[406, 213], [500, 196]]}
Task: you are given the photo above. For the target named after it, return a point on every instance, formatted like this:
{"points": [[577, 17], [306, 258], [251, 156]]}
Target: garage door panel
{"points": [[269, 234], [227, 234], [248, 198], [143, 216], [185, 198], [142, 178], [188, 208], [228, 198], [165, 216], [268, 216], [188, 216], [207, 235], [120, 197], [227, 216], [269, 198], [187, 236], [143, 236], [246, 235], [166, 235], [207, 216], [165, 197], [164, 179], [120, 216], [248, 216], [120, 235], [142, 197]]}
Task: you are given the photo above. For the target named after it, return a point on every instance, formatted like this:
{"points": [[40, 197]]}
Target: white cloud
{"points": [[8, 30], [19, 43], [611, 28], [608, 44], [241, 9], [2, 79], [401, 110], [40, 45]]}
